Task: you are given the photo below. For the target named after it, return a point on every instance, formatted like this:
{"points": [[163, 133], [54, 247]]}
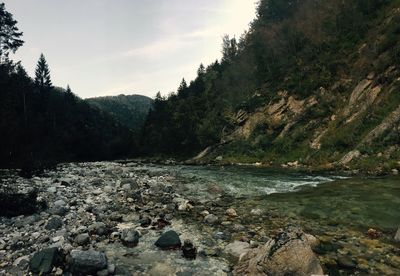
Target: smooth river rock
{"points": [[169, 240], [87, 262]]}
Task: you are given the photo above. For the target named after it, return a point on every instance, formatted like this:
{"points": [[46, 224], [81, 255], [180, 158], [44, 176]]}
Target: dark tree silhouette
{"points": [[9, 34], [42, 74]]}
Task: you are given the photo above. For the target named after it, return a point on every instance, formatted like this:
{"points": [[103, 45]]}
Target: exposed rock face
{"points": [[286, 254], [169, 240], [87, 262]]}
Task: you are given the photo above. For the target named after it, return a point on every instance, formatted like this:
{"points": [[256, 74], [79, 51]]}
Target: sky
{"points": [[112, 47]]}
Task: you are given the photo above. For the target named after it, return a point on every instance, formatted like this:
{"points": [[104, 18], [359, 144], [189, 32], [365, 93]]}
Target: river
{"points": [[354, 218]]}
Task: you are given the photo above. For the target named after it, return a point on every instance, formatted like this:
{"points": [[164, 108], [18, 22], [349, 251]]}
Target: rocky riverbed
{"points": [[109, 218]]}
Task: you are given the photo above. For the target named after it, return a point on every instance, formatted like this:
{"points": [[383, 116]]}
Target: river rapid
{"points": [[353, 218]]}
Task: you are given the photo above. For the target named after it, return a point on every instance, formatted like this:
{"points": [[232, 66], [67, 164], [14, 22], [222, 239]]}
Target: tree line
{"points": [[42, 124]]}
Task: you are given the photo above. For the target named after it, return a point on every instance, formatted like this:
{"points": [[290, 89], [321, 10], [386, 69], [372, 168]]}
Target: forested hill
{"points": [[129, 110], [41, 124], [311, 82]]}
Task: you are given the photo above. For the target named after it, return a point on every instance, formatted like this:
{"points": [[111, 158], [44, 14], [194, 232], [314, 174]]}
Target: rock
{"points": [[54, 223], [231, 213], [288, 253], [395, 171], [87, 262], [82, 239], [126, 187], [130, 237], [145, 222], [169, 240], [346, 262], [204, 213], [237, 250], [185, 206], [211, 219], [397, 236], [189, 251], [44, 261], [311, 240], [21, 262], [60, 203], [98, 228], [256, 212], [52, 190], [373, 233]]}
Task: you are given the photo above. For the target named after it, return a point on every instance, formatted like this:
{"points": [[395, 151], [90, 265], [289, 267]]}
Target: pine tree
{"points": [[69, 96], [183, 86], [9, 34], [201, 71], [42, 74]]}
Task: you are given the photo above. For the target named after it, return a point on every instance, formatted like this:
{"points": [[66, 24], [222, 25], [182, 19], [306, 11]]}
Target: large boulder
{"points": [[288, 253], [87, 262], [169, 240], [43, 261]]}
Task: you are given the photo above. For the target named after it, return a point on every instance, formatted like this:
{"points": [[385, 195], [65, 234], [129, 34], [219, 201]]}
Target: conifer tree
{"points": [[42, 74], [9, 34]]}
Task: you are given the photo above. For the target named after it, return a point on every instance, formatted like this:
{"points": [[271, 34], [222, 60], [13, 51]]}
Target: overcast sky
{"points": [[110, 47]]}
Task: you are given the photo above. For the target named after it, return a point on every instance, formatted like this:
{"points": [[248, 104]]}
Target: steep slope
{"points": [[313, 83], [129, 110]]}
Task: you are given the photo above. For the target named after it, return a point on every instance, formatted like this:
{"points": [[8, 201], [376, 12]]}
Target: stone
{"points": [[237, 250], [130, 237], [145, 222], [189, 251], [346, 262], [98, 228], [288, 253], [44, 261], [231, 213], [397, 236], [87, 262], [60, 203], [256, 212], [169, 240], [395, 171], [54, 223], [82, 239], [211, 219]]}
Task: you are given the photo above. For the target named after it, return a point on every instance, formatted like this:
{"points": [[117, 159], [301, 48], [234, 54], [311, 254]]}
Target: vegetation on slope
{"points": [[310, 54], [129, 110]]}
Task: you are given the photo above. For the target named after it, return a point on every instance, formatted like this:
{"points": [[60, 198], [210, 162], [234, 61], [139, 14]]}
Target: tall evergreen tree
{"points": [[9, 34], [42, 73]]}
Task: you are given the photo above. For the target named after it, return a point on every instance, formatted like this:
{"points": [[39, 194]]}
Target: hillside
{"points": [[130, 110], [310, 83]]}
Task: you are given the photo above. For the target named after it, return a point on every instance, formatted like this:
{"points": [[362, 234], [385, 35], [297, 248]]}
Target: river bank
{"points": [[122, 209]]}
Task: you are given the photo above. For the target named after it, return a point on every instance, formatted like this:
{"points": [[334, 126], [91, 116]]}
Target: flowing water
{"points": [[339, 210]]}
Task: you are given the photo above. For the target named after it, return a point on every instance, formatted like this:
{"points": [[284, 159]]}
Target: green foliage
{"points": [[130, 110]]}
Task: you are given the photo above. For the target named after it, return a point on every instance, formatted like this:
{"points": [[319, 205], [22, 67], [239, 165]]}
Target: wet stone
{"points": [[169, 240]]}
